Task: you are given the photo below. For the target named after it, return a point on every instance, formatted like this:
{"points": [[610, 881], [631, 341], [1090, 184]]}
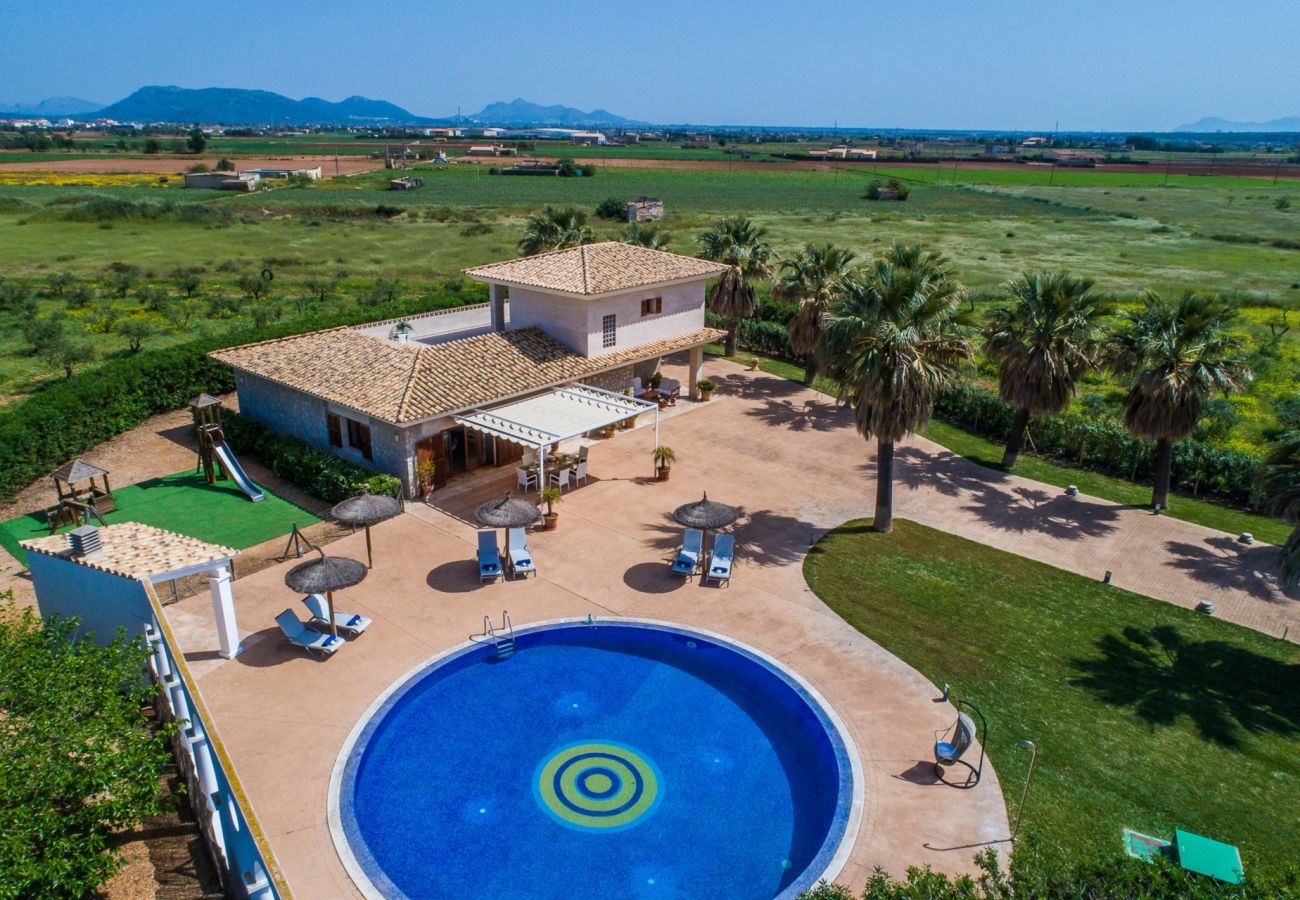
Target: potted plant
{"points": [[628, 422], [655, 380], [550, 518], [425, 469], [607, 431], [706, 388], [664, 459], [403, 331]]}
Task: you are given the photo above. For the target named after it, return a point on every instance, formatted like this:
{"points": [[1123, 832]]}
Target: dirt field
{"points": [[179, 165]]}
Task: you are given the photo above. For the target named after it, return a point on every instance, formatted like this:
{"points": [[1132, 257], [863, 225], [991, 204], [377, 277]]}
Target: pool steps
{"points": [[502, 637]]}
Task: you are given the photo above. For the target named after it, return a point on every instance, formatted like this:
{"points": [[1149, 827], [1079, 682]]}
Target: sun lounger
{"points": [[489, 557], [518, 556], [719, 568], [352, 623], [688, 557], [295, 632]]}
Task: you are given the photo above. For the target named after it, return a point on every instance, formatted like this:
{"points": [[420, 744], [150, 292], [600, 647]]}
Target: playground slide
{"points": [[236, 472]]}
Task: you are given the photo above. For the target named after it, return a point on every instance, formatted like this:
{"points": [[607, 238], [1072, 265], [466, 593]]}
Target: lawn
{"points": [[1117, 490], [1145, 715], [185, 503]]}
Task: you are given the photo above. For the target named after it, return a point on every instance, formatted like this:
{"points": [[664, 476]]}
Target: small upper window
{"points": [[608, 330], [652, 306]]}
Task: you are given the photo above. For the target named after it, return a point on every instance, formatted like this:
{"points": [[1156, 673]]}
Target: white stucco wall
{"points": [[576, 321]]}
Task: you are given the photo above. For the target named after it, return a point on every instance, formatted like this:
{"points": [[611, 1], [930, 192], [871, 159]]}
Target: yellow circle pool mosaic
{"points": [[598, 786]]}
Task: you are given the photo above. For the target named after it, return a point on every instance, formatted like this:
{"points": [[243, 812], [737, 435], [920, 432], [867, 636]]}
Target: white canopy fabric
{"points": [[557, 415]]}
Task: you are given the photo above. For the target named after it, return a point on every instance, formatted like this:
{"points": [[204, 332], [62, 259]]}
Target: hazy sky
{"points": [[1089, 64]]}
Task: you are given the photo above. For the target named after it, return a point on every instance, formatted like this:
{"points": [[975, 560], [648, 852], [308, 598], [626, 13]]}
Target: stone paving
{"points": [[790, 458]]}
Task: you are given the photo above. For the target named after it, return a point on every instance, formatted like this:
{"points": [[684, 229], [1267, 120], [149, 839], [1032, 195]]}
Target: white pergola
{"points": [[557, 415]]}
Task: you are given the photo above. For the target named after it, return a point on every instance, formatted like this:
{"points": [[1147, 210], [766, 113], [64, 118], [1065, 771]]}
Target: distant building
{"points": [[491, 150], [645, 209], [587, 138], [313, 174], [223, 181]]}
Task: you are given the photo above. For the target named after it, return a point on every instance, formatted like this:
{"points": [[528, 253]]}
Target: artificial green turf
{"points": [[1145, 714], [218, 513], [1117, 490]]}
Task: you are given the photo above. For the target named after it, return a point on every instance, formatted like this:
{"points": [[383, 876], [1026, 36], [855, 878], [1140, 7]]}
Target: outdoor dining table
{"points": [[554, 462]]}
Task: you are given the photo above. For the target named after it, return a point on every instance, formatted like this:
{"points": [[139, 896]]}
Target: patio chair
{"points": [[489, 557], [525, 479], [720, 558], [580, 472], [295, 632], [638, 388], [518, 556], [352, 623], [561, 478], [951, 743], [582, 453], [669, 390], [688, 557]]}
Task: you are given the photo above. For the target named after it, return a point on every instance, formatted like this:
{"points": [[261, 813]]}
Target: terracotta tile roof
{"points": [[403, 383], [597, 269], [134, 550]]}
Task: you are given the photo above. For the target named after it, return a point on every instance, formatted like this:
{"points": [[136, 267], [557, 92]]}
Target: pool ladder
{"points": [[502, 638]]}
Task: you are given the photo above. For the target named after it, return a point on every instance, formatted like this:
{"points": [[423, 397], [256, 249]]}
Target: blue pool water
{"points": [[609, 760]]}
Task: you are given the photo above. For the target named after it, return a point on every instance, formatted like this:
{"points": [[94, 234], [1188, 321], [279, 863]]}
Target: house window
{"points": [[335, 427], [652, 306], [359, 437], [608, 329]]}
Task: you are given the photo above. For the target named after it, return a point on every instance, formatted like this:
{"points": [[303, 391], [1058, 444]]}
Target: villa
{"points": [[574, 327]]}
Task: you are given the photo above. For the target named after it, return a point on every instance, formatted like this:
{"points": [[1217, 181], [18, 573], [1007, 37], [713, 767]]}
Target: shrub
{"points": [[568, 168], [611, 208], [1103, 443], [324, 475], [476, 229]]}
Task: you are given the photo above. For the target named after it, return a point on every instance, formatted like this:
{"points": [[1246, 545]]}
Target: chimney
{"points": [[85, 541]]}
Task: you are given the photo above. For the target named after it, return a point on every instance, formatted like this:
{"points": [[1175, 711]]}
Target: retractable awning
{"points": [[557, 415]]}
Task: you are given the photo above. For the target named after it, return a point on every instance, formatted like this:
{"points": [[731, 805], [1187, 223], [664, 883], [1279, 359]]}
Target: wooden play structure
{"points": [[206, 411], [215, 459], [83, 493]]}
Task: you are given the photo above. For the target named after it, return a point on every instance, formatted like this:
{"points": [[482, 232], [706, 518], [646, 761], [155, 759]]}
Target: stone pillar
{"points": [[693, 375], [497, 303], [223, 611]]}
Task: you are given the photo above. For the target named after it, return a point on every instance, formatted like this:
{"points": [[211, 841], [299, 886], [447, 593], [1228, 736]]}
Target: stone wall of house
{"points": [[291, 412], [620, 378]]}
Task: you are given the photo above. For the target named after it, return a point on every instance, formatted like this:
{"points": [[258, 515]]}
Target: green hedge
{"points": [[321, 474], [760, 336], [1105, 444], [43, 431]]}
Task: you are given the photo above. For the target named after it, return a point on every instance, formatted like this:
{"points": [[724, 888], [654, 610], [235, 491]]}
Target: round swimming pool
{"points": [[628, 759]]}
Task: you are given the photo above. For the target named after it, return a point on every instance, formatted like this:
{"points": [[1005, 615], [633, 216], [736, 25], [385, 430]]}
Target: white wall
{"points": [[576, 321]]}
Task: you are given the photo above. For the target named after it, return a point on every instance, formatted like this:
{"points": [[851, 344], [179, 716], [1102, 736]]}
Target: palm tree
{"points": [[738, 243], [1044, 341], [815, 278], [1179, 352], [891, 343], [650, 236], [1281, 484], [555, 229]]}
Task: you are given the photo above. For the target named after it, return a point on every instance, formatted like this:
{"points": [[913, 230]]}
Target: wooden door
{"points": [[431, 449]]}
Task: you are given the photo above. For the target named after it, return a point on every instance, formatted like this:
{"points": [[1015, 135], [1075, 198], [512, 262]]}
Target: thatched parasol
{"points": [[366, 509], [706, 514], [325, 576], [507, 513]]}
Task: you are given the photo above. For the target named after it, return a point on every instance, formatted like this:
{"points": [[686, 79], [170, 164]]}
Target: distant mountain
{"points": [[235, 106], [1211, 124], [52, 108], [522, 112]]}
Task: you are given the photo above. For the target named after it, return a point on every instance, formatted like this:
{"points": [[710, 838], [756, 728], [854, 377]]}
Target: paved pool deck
{"points": [[793, 462]]}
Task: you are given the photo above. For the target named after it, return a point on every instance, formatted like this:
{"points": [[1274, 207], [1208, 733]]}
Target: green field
{"points": [[1233, 235], [1145, 715], [219, 513]]}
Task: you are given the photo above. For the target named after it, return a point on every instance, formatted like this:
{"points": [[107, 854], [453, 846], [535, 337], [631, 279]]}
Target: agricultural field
{"points": [[1226, 234]]}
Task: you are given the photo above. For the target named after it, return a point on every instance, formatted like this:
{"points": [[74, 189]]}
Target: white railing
{"points": [[234, 837]]}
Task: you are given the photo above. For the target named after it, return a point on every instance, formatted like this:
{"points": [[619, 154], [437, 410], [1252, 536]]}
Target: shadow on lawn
{"points": [[1222, 562], [1164, 676], [994, 500]]}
